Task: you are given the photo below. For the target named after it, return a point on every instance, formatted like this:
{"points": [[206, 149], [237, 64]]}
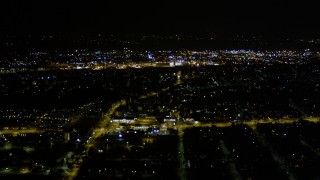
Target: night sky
{"points": [[158, 16]]}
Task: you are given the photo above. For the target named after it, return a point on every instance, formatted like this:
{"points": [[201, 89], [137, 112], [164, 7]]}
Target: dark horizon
{"points": [[265, 17]]}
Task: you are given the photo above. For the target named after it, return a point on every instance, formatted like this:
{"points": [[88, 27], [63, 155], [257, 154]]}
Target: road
{"points": [[102, 128], [14, 131], [232, 166]]}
